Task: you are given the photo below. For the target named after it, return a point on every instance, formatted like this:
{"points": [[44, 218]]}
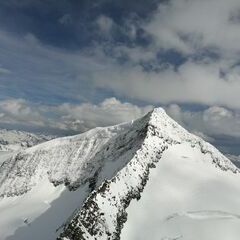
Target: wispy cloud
{"points": [[43, 72], [66, 19], [4, 70]]}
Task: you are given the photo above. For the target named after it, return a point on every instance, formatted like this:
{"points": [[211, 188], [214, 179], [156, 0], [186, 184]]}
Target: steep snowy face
{"points": [[12, 140], [73, 161], [109, 167], [186, 198]]}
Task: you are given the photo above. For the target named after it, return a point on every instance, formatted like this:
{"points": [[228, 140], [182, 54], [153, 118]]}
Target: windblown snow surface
{"points": [[148, 179]]}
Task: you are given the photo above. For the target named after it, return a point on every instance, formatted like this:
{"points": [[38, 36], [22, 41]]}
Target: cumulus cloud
{"points": [[75, 118], [14, 111], [66, 117], [206, 33], [209, 123], [196, 29], [192, 82], [192, 25]]}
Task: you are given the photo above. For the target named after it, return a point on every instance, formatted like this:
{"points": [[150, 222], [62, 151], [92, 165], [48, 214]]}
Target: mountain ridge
{"points": [[113, 162]]}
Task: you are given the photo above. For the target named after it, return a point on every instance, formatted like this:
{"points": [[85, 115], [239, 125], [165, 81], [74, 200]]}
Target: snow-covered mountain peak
{"points": [[108, 166], [76, 159], [170, 130], [159, 113], [104, 212], [166, 125]]}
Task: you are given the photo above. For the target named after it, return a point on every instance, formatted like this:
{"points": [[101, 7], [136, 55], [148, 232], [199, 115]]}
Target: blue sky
{"points": [[67, 66]]}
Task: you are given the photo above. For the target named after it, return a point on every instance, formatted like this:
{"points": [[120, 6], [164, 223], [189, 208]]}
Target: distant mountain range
{"points": [[12, 140]]}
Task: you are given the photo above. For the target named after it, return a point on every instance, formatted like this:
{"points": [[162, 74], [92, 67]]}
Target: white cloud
{"points": [[190, 25], [187, 26], [211, 122], [69, 117], [15, 111], [192, 83], [109, 112]]}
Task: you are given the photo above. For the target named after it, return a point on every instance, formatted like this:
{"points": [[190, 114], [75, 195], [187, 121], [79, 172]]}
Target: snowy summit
{"points": [[147, 179]]}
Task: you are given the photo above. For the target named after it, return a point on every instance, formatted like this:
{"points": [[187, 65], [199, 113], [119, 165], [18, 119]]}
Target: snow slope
{"points": [[186, 198], [42, 176], [90, 179]]}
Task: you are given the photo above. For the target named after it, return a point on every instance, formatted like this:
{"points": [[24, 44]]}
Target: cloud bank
{"points": [[68, 118], [210, 122]]}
